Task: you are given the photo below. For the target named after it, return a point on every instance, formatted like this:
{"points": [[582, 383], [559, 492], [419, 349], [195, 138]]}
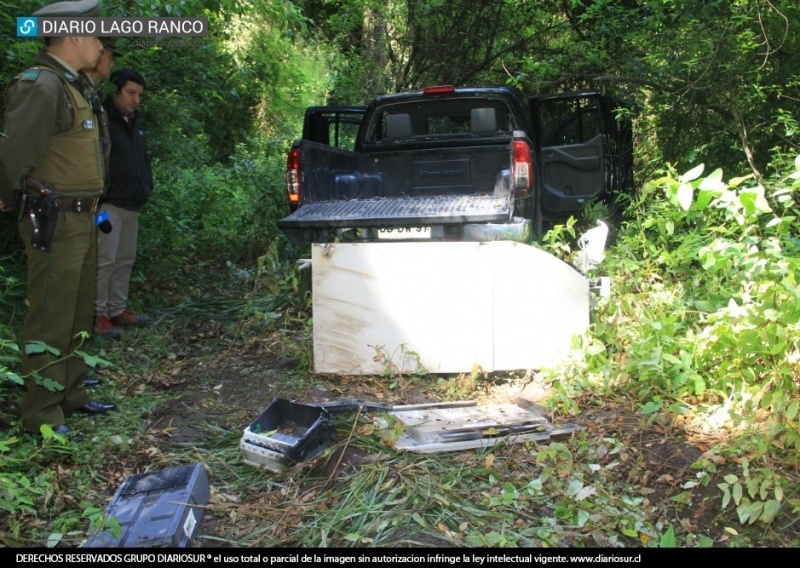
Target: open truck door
{"points": [[585, 152], [329, 125], [333, 126]]}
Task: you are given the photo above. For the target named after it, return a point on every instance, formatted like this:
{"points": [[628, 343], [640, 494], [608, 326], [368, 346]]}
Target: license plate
{"points": [[405, 233]]}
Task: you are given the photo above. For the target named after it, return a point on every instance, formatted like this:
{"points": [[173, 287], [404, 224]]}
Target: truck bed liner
{"points": [[422, 210]]}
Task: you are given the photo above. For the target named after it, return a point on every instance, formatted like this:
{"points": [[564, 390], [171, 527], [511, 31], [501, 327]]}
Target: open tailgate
{"points": [[401, 212]]}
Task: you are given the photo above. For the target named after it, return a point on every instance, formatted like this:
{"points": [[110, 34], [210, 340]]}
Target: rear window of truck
{"points": [[430, 119]]}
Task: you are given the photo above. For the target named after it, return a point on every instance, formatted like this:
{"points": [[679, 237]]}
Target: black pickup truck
{"points": [[457, 164]]}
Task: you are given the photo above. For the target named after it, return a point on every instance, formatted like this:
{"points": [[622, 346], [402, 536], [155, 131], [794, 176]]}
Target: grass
{"points": [[586, 490]]}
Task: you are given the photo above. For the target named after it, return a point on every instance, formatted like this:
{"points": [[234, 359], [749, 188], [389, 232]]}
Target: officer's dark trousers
{"points": [[60, 293]]}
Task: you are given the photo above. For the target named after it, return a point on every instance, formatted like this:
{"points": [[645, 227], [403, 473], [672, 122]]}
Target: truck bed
{"points": [[413, 187]]}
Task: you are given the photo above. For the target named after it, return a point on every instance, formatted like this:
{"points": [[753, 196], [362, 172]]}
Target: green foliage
{"points": [[398, 366], [10, 290], [213, 212], [707, 90], [100, 522], [561, 238], [26, 490], [711, 82], [15, 54], [17, 491], [704, 317], [733, 329], [758, 496]]}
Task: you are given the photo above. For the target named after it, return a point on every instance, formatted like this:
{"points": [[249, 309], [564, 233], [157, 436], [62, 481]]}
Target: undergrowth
{"points": [[704, 325]]}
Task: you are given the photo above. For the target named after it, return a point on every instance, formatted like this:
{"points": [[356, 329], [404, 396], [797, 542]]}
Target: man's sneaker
{"points": [[128, 319], [104, 327]]}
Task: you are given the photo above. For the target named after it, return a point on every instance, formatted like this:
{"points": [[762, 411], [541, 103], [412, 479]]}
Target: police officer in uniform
{"points": [[52, 169], [102, 71]]}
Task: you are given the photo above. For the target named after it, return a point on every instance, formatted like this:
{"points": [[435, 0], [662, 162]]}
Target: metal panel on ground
{"points": [[452, 305]]}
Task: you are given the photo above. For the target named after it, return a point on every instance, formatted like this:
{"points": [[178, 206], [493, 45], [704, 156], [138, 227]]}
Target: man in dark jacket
{"points": [[129, 185]]}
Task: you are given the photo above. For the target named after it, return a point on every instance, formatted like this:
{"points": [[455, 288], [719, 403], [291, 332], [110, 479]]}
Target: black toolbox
{"points": [[156, 509]]}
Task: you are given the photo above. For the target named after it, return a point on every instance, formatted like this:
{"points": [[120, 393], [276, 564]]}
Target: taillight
{"points": [[438, 90], [293, 176], [522, 167]]}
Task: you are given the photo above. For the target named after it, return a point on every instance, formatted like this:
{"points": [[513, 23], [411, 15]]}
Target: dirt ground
{"points": [[226, 388], [215, 385]]}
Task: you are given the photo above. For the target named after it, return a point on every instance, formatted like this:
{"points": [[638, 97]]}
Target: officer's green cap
{"points": [[87, 8]]}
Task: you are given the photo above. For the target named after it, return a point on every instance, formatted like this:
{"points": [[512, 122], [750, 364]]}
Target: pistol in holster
{"points": [[40, 205]]}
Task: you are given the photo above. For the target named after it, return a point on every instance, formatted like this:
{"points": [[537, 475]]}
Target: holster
{"points": [[41, 209]]}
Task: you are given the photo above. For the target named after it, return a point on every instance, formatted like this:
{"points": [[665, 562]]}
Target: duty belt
{"points": [[74, 205]]}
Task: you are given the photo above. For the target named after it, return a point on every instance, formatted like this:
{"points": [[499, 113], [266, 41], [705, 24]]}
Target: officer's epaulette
{"points": [[33, 73], [29, 74]]}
